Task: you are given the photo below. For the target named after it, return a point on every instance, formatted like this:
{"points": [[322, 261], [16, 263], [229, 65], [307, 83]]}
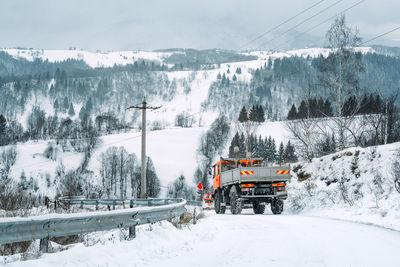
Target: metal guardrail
{"points": [[194, 203], [55, 225], [116, 202]]}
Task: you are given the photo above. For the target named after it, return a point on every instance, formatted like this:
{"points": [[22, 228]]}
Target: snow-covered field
{"points": [[240, 240]]}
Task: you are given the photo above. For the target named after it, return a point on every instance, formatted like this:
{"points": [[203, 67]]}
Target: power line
{"points": [[395, 29], [300, 23], [144, 107], [323, 22], [274, 28]]}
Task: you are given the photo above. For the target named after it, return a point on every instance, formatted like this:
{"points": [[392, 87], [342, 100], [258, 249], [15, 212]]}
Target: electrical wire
{"points": [[281, 24], [300, 23], [321, 23], [383, 34]]}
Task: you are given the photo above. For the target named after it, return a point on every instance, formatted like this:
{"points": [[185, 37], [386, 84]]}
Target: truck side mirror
{"points": [[209, 171]]}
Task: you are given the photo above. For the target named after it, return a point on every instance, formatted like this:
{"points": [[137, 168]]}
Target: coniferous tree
{"points": [[235, 143], [89, 106], [269, 66], [242, 145], [56, 106], [71, 111], [328, 112], [261, 114], [377, 104], [273, 150], [290, 154], [253, 114], [65, 104], [234, 78], [83, 114], [303, 110], [292, 115], [281, 152], [364, 105], [3, 125], [243, 116]]}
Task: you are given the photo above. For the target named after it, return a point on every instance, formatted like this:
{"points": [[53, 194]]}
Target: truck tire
{"points": [[258, 208], [217, 202], [223, 209], [277, 206], [397, 184], [236, 204]]}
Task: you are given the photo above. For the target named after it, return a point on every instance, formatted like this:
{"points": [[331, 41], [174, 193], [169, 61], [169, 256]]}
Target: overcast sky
{"points": [[153, 24]]}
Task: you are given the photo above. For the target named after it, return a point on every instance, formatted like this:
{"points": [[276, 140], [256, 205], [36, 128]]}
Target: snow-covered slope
{"points": [[98, 59], [306, 52], [354, 184], [173, 151], [108, 59]]}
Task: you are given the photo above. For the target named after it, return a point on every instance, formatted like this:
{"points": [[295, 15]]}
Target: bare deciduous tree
{"points": [[339, 73]]}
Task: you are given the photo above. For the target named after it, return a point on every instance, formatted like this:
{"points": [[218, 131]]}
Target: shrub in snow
{"points": [[8, 157], [157, 125], [51, 151], [179, 189]]}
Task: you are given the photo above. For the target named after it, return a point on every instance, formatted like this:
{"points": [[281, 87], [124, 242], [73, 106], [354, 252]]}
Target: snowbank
{"points": [[356, 184]]}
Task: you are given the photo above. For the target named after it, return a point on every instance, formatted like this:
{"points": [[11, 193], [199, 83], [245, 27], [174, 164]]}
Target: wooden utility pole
{"points": [[143, 107]]}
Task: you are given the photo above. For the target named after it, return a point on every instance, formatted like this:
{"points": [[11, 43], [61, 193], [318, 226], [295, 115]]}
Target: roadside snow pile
{"points": [[356, 184]]}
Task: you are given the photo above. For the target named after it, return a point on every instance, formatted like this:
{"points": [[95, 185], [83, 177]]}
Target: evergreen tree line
{"points": [[264, 148], [255, 114], [369, 104], [317, 108]]}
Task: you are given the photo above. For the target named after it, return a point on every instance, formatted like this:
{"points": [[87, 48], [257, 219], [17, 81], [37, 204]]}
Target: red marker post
{"points": [[200, 187]]}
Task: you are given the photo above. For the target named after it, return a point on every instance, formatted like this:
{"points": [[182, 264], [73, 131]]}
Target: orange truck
{"points": [[246, 183]]}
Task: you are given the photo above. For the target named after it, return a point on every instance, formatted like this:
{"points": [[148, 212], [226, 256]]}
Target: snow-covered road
{"points": [[242, 240]]}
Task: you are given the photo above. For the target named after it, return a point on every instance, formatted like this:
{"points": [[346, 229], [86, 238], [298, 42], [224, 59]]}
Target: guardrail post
{"points": [[132, 232], [149, 202], [131, 203], [97, 204], [194, 216], [123, 204], [113, 204], [44, 245], [165, 201], [81, 204]]}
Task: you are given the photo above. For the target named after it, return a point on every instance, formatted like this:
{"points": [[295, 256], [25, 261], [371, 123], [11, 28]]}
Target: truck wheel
{"points": [[223, 209], [277, 206], [258, 208], [397, 184], [217, 203], [236, 204]]}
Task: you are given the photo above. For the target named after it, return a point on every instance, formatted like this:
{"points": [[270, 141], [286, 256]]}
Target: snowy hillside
{"points": [[98, 59], [109, 59], [354, 184], [173, 151]]}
